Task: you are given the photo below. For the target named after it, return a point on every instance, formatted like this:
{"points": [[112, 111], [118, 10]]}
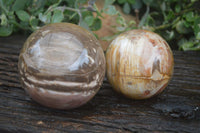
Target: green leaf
{"points": [[97, 11], [163, 6], [198, 36], [87, 13], [111, 10], [45, 18], [187, 45], [177, 8], [147, 2], [144, 17], [19, 5], [120, 20], [57, 16], [23, 15], [5, 31], [89, 20], [120, 28], [34, 22], [84, 25], [131, 1], [39, 4], [182, 41], [197, 27], [168, 35], [137, 4], [126, 8], [132, 22], [108, 3], [4, 20], [52, 6], [96, 25], [121, 1], [82, 1], [7, 2], [30, 2], [25, 25], [190, 44], [3, 7], [11, 16], [190, 16], [170, 15], [181, 28], [187, 24], [150, 21]]}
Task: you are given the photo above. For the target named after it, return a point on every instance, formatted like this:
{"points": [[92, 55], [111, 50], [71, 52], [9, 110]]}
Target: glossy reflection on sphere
{"points": [[61, 66], [139, 64]]}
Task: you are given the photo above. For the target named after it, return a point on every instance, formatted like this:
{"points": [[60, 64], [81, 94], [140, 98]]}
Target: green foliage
{"points": [[108, 3], [5, 31], [175, 20], [178, 21], [57, 17], [126, 8], [30, 15], [23, 15], [97, 23], [109, 8], [122, 24]]}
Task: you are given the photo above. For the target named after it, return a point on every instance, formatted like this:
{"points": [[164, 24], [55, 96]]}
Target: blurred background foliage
{"points": [[178, 21]]}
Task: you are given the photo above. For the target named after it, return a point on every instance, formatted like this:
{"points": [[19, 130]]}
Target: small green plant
{"points": [[178, 21], [29, 15]]}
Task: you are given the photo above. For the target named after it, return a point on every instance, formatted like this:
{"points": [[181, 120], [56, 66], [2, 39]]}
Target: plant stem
{"points": [[19, 26], [62, 8], [74, 10], [160, 27], [52, 7], [164, 26], [144, 17], [137, 17]]}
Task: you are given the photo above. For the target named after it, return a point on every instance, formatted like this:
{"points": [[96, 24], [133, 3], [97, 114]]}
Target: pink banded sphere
{"points": [[139, 64], [61, 66]]}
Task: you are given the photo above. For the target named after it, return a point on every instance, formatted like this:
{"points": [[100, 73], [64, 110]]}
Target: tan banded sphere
{"points": [[61, 66], [139, 64]]}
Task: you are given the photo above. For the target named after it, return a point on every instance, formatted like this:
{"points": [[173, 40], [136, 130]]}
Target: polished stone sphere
{"points": [[139, 64], [61, 66]]}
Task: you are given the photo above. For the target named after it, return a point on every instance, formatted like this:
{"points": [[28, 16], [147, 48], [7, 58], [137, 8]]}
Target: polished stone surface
{"points": [[62, 65], [139, 64]]}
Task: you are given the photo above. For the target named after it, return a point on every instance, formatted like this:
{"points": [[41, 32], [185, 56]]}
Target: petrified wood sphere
{"points": [[139, 64], [61, 66]]}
